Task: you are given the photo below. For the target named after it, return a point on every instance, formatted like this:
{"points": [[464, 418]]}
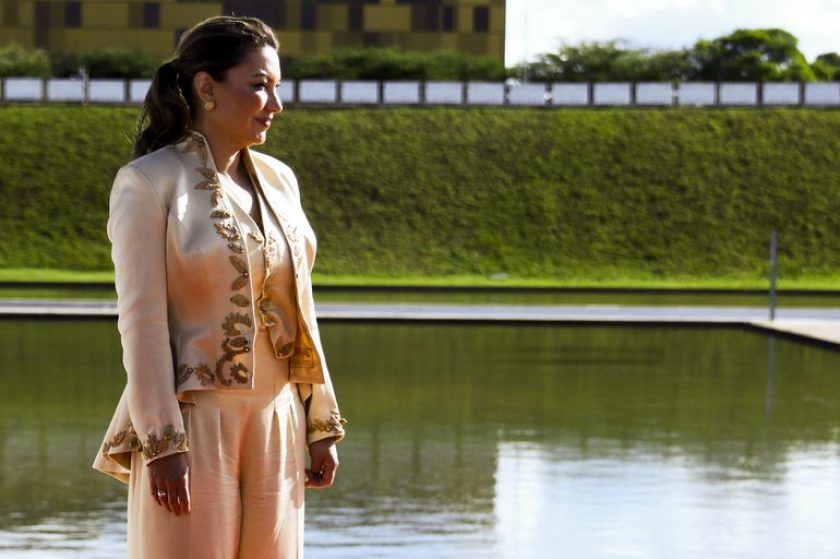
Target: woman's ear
{"points": [[203, 86]]}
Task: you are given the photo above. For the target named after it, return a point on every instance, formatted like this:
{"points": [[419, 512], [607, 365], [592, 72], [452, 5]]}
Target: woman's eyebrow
{"points": [[262, 74]]}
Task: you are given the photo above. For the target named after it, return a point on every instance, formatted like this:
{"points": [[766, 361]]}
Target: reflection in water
{"points": [[636, 504], [771, 375], [481, 441]]}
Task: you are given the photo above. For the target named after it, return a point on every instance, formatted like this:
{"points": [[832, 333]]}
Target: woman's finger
{"points": [[313, 480], [328, 475], [154, 488], [163, 496], [172, 488], [322, 478], [184, 494]]}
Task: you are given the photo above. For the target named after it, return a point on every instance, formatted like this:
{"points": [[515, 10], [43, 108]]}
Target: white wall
{"points": [[357, 92]]}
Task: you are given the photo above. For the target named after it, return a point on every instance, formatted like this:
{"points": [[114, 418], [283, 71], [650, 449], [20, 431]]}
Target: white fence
{"points": [[360, 93]]}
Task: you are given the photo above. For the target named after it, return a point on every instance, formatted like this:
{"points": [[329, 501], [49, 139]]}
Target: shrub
{"points": [[107, 63], [17, 61], [394, 64]]}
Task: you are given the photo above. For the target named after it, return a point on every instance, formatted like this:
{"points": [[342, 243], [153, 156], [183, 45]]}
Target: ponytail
{"points": [[165, 116]]}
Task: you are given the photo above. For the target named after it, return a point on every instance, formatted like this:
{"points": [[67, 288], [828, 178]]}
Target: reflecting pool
{"points": [[481, 441]]}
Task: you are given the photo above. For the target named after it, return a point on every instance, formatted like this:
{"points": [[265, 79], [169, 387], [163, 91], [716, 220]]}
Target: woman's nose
{"points": [[274, 102]]}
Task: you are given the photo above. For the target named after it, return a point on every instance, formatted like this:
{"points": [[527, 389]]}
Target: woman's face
{"points": [[245, 101]]}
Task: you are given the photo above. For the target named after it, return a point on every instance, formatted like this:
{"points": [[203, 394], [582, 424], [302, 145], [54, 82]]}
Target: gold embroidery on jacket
{"points": [[155, 446], [332, 425], [236, 342], [234, 318], [211, 183], [201, 371], [117, 440], [270, 262], [228, 231], [241, 267], [240, 373], [240, 300]]}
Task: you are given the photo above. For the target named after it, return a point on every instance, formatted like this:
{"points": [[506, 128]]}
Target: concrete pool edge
{"points": [[819, 325]]}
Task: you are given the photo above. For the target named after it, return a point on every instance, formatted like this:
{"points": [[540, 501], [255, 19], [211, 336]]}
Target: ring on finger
{"points": [[161, 493]]}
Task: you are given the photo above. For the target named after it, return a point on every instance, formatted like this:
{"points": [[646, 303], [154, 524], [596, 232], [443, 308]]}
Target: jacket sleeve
{"points": [[323, 418], [137, 230]]}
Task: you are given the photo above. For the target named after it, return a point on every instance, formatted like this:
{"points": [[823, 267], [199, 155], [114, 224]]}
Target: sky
{"points": [[537, 26]]}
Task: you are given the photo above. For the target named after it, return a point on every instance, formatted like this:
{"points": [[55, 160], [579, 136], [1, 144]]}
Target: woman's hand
{"points": [[170, 482], [324, 462]]}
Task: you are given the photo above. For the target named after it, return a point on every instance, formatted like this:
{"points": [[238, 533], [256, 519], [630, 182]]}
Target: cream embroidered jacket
{"points": [[187, 310]]}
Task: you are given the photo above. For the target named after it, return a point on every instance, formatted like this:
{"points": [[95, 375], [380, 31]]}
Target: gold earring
{"points": [[209, 105]]}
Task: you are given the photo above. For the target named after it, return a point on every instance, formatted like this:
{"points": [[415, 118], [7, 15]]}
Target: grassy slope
{"points": [[673, 197]]}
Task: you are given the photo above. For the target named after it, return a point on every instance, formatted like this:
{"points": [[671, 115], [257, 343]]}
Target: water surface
{"points": [[481, 441]]}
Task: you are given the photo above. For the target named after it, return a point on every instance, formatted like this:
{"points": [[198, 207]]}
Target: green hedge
{"points": [[394, 64], [529, 193]]}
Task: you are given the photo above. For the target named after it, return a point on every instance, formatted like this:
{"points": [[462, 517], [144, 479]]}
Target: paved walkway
{"points": [[822, 325]]}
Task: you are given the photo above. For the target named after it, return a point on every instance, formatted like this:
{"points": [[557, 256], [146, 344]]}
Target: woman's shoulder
{"points": [[157, 172], [163, 159]]}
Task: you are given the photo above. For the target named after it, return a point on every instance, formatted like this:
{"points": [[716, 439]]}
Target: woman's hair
{"points": [[214, 46]]}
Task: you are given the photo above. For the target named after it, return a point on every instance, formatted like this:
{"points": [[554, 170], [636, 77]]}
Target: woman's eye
{"points": [[259, 85]]}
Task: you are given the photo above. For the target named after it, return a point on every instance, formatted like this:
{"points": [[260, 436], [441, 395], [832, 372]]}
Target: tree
{"points": [[752, 55], [667, 65], [827, 66], [610, 61]]}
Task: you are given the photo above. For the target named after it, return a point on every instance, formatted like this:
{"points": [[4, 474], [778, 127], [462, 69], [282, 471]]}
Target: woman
{"points": [[226, 378]]}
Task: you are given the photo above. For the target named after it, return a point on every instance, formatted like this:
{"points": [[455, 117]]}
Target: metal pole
{"points": [[774, 261]]}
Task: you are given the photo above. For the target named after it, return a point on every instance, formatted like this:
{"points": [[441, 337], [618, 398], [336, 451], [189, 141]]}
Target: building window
{"points": [[425, 18], [481, 19], [151, 15], [448, 20], [43, 23], [72, 14], [309, 16], [355, 17]]}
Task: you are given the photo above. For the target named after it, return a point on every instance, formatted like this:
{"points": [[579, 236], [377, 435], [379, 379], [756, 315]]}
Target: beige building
{"points": [[303, 26]]}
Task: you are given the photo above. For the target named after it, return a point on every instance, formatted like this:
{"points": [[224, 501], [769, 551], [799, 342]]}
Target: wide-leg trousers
{"points": [[247, 459]]}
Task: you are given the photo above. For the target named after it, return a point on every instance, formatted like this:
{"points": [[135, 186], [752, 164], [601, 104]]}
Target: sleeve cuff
{"points": [[320, 429], [171, 441]]}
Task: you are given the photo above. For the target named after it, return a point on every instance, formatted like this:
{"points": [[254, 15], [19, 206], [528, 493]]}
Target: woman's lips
{"points": [[265, 122]]}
